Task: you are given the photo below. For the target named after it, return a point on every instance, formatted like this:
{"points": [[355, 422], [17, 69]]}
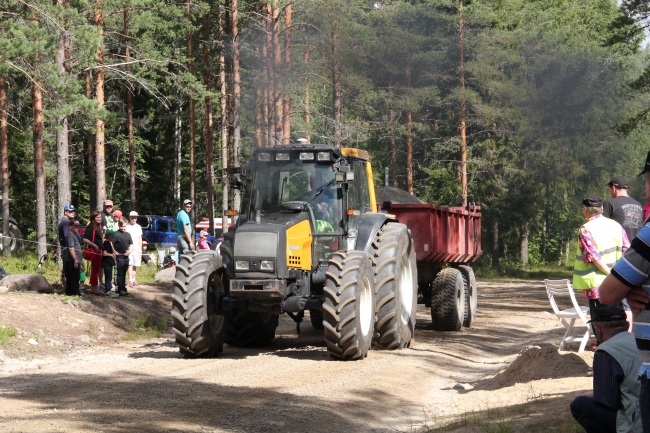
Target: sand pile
{"points": [[395, 195], [534, 363]]}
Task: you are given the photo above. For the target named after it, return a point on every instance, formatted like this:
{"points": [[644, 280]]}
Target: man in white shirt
{"points": [[135, 258]]}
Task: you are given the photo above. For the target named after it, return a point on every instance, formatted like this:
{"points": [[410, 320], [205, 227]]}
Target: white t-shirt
{"points": [[136, 234]]}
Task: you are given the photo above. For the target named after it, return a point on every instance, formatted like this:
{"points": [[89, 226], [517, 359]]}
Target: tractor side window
{"points": [[361, 179]]}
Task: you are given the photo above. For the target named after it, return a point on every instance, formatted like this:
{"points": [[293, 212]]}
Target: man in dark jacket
{"points": [[622, 208]]}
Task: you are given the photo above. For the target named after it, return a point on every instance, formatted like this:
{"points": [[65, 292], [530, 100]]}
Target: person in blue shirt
{"points": [[184, 228]]}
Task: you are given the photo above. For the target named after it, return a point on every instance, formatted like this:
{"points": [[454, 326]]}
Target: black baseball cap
{"points": [[646, 167], [620, 182], [592, 201], [608, 313]]}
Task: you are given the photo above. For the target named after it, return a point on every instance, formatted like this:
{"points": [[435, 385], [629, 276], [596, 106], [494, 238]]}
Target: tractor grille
{"points": [[294, 261]]}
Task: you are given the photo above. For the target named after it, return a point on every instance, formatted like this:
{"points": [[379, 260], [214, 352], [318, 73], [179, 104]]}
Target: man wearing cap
{"points": [[69, 212], [135, 258], [630, 279], [621, 208], [72, 260], [184, 228], [602, 242], [613, 405], [107, 216]]}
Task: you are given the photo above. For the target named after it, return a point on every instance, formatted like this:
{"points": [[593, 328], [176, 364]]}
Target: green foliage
{"points": [[7, 333], [145, 326]]}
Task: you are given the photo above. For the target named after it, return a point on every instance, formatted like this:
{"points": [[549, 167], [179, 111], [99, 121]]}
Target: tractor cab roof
{"points": [[308, 150]]}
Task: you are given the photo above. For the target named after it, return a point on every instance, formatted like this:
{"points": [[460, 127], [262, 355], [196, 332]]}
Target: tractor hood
{"points": [[283, 239]]}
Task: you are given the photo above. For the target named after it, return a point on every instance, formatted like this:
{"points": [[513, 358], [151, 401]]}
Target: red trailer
{"points": [[447, 240]]}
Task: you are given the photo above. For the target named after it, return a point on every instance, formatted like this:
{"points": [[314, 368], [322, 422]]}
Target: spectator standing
{"points": [[203, 242], [116, 219], [108, 261], [107, 217], [123, 248], [630, 279], [613, 405], [185, 242], [602, 241], [69, 212], [72, 263], [621, 208], [94, 239], [135, 258]]}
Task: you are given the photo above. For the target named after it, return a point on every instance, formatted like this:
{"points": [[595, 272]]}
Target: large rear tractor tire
{"points": [[251, 329], [15, 237], [316, 317], [198, 330], [471, 295], [348, 307], [448, 300], [396, 290]]}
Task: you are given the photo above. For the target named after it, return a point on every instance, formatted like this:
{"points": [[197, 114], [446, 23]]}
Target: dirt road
{"points": [[293, 385]]}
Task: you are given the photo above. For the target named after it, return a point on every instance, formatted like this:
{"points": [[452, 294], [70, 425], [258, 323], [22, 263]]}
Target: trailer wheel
{"points": [[251, 328], [471, 295], [316, 317], [198, 330], [396, 287], [348, 307], [448, 300], [14, 235]]}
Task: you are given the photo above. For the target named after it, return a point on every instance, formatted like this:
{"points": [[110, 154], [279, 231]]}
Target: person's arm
{"points": [[188, 236], [608, 209], [600, 264], [626, 241], [73, 253], [608, 376], [87, 241]]}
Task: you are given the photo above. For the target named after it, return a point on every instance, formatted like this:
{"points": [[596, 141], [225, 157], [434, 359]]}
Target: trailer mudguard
{"points": [[369, 225]]}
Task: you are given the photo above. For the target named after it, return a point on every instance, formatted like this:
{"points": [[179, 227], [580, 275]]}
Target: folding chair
{"points": [[568, 317]]}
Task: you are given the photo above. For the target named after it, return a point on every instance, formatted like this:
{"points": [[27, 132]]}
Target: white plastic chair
{"points": [[568, 317]]}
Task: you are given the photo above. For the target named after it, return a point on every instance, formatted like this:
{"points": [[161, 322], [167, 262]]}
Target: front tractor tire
{"points": [[396, 287], [198, 330], [448, 300], [348, 306]]}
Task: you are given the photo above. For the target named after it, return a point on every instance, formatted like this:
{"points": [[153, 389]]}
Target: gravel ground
{"points": [[292, 385]]}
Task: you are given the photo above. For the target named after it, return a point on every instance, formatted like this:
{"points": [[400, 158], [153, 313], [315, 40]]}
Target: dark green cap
{"points": [[608, 313], [592, 201], [111, 234]]}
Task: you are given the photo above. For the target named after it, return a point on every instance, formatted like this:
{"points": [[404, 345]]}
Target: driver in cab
{"points": [[325, 211]]}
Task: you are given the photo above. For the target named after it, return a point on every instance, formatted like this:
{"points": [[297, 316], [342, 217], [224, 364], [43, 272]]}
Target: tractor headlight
{"points": [[306, 156], [282, 157], [266, 265], [323, 156], [242, 265], [264, 157]]}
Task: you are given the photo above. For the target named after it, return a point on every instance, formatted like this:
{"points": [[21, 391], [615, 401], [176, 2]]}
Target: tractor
{"points": [[311, 240]]}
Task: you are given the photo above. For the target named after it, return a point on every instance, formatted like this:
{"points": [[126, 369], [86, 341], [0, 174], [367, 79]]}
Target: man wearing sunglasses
{"points": [[185, 242]]}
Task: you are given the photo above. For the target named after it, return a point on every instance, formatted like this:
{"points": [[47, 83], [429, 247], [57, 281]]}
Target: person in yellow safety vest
{"points": [[602, 242]]}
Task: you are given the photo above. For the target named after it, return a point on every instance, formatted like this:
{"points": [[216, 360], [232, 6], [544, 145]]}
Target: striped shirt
{"points": [[633, 269]]}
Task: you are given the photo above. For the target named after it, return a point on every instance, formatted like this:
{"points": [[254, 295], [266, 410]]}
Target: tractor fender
{"points": [[369, 225]]}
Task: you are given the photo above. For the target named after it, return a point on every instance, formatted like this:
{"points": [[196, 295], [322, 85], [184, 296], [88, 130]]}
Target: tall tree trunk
{"points": [[209, 144], [463, 132], [100, 163], [409, 138], [286, 104], [277, 66], [265, 94], [336, 89], [236, 94], [39, 171], [524, 245], [4, 165], [307, 112], [495, 243], [224, 123], [192, 119], [129, 112], [178, 144], [90, 146], [270, 77], [62, 133], [392, 150], [257, 104]]}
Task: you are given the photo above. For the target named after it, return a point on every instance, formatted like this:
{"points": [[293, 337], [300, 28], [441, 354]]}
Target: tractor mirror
{"points": [[235, 183], [387, 206], [244, 169], [340, 177]]}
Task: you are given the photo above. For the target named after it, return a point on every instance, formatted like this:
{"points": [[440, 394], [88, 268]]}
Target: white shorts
{"points": [[135, 258]]}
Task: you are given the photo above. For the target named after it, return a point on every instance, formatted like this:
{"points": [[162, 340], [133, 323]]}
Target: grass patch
{"points": [[145, 326], [7, 333], [65, 298], [536, 273], [25, 262]]}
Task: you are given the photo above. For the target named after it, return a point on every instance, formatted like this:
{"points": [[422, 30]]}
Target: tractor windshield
{"points": [[294, 180]]}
